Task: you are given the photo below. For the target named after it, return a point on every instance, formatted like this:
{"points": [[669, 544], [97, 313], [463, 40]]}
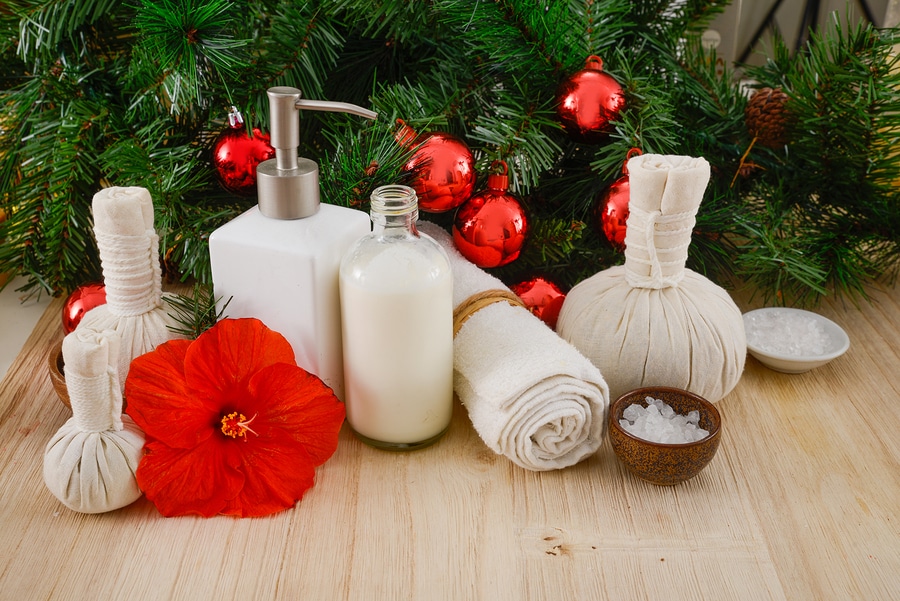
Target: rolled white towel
{"points": [[530, 395], [91, 461], [129, 253]]}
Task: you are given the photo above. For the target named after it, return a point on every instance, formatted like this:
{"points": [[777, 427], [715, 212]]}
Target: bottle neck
{"points": [[394, 211]]}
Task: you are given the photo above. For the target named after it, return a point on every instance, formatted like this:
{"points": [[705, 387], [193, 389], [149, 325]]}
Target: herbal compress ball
{"points": [[652, 322]]}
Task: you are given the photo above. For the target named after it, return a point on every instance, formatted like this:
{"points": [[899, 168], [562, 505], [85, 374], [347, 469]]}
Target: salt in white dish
{"points": [[837, 344]]}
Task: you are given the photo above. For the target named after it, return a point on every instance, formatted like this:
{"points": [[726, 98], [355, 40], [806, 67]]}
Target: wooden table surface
{"points": [[802, 501]]}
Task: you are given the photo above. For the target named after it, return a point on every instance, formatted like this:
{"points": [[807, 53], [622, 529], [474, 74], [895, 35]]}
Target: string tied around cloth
{"points": [[93, 401], [656, 247], [92, 379], [131, 272], [479, 301]]}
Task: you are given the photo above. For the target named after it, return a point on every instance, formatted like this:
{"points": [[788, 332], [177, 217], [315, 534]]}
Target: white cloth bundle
{"points": [[652, 322], [530, 395], [90, 462], [129, 253]]}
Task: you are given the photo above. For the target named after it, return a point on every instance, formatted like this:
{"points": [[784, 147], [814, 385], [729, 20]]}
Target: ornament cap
{"points": [[499, 181], [235, 119], [289, 185], [405, 135]]}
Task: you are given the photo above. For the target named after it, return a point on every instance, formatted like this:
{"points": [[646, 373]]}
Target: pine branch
{"points": [[518, 130], [58, 179], [503, 38], [186, 46], [43, 25], [837, 178], [775, 261], [400, 22], [196, 313], [362, 159], [675, 19]]}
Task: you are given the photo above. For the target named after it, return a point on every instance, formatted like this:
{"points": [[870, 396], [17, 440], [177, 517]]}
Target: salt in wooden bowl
{"points": [[665, 464]]}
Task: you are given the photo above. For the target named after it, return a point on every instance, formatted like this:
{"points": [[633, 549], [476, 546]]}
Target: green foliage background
{"points": [[109, 92]]}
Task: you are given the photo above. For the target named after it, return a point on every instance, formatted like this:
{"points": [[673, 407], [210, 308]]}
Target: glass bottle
{"points": [[396, 294]]}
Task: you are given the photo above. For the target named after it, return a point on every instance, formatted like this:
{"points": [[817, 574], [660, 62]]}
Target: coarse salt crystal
{"points": [[788, 333], [658, 422]]}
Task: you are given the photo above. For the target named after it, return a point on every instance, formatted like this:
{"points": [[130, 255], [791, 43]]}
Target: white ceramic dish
{"points": [[838, 341]]}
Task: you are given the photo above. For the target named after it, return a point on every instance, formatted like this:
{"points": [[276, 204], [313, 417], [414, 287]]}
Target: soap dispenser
{"points": [[279, 261]]}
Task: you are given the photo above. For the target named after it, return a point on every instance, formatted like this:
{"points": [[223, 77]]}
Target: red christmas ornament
{"points": [[490, 229], [443, 166], [612, 208], [236, 155], [542, 297], [588, 101], [83, 299]]}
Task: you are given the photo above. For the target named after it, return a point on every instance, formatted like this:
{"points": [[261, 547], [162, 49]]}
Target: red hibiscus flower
{"points": [[233, 425]]}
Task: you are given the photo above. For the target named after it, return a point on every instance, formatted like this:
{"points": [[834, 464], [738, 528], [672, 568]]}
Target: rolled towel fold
{"points": [[129, 253], [530, 395]]}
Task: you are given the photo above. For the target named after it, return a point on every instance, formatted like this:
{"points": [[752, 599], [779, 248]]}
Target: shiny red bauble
{"points": [[542, 297], [442, 166], [236, 154], [83, 299], [588, 102], [612, 207], [490, 228]]}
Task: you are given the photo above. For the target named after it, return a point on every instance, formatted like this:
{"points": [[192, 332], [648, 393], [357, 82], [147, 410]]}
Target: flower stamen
{"points": [[236, 425]]}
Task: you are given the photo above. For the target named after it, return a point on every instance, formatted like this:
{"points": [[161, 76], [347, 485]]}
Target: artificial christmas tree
{"points": [[98, 93]]}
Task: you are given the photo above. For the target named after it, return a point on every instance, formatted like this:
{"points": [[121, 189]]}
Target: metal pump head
{"points": [[288, 185]]}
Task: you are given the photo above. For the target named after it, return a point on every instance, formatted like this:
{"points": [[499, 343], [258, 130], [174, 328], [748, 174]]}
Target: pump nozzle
{"points": [[335, 107], [284, 120]]}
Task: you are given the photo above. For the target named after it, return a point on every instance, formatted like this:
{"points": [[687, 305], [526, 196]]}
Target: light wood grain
{"points": [[800, 503]]}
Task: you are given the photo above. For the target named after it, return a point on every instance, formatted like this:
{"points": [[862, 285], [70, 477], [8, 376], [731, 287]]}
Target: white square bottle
{"points": [[279, 261]]}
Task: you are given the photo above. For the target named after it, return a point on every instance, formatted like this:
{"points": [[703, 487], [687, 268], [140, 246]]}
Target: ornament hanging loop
{"points": [[594, 62]]}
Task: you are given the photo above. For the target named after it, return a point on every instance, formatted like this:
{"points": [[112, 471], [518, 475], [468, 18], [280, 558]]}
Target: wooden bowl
{"points": [[57, 373], [665, 464]]}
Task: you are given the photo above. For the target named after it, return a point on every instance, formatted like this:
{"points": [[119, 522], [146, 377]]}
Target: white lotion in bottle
{"points": [[279, 261], [397, 307]]}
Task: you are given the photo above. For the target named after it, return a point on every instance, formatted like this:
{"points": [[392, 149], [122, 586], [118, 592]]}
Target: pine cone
{"points": [[766, 117]]}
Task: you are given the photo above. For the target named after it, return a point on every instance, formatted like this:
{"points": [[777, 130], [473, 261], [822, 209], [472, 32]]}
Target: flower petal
{"points": [[268, 491], [298, 406], [222, 360], [198, 481], [160, 402]]}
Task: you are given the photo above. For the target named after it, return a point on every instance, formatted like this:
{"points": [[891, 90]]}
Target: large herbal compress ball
{"points": [[652, 322]]}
